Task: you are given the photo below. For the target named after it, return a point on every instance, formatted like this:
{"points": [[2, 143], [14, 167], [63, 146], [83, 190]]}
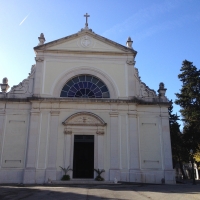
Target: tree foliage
{"points": [[189, 101], [197, 156], [179, 152]]}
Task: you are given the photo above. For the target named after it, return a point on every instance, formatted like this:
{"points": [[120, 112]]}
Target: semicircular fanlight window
{"points": [[85, 86]]}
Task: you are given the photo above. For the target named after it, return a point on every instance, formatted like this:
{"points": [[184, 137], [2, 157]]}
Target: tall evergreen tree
{"points": [[189, 101], [179, 153]]}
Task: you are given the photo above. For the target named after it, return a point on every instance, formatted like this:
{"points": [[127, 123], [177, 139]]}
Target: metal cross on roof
{"points": [[86, 16]]}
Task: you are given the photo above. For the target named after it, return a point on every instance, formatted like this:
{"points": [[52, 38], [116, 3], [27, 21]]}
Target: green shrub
{"points": [[65, 178], [99, 172]]}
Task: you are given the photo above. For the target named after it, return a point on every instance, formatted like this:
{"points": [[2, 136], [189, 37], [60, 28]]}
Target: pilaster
{"points": [[32, 148], [130, 77], [167, 154], [100, 151], [68, 148], [114, 146], [52, 146], [2, 122], [133, 141], [38, 76]]}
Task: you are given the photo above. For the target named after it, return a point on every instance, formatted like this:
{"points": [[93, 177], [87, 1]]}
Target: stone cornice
{"points": [[155, 101], [86, 52]]}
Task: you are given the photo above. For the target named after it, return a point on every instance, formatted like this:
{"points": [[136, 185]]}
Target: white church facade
{"points": [[83, 105]]}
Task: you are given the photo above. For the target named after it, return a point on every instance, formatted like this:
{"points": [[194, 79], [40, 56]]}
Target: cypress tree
{"points": [[179, 153], [189, 101]]}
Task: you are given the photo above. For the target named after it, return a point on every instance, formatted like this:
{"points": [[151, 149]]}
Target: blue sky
{"points": [[164, 32]]}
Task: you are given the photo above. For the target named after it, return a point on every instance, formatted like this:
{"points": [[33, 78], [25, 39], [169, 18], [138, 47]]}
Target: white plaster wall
{"points": [[149, 134], [14, 141], [55, 69], [150, 143], [75, 45]]}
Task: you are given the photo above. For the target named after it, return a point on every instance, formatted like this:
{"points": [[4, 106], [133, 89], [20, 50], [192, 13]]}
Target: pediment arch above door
{"points": [[84, 122]]}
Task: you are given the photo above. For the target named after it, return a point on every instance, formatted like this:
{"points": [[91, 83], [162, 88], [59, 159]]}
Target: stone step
{"points": [[82, 182]]}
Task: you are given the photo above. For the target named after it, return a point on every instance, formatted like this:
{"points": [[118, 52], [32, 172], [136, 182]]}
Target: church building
{"points": [[84, 105]]}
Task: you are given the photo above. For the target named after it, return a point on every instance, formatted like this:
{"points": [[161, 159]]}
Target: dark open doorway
{"points": [[83, 164]]}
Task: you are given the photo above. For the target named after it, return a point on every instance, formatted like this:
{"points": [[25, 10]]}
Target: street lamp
{"points": [[192, 159]]}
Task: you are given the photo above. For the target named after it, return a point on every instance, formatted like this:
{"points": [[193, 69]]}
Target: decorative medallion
{"points": [[86, 41]]}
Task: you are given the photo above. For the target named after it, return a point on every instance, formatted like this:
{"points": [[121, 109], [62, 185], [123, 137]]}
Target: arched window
{"points": [[85, 86]]}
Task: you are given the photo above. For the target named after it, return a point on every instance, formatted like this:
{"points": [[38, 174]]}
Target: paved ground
{"points": [[97, 192]]}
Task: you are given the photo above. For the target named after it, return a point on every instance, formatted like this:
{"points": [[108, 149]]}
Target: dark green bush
{"points": [[65, 178]]}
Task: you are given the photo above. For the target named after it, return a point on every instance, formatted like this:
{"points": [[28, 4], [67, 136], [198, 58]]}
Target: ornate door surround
{"points": [[84, 123]]}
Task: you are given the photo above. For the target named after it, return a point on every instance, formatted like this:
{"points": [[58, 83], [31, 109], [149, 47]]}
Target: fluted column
{"points": [[114, 147], [52, 146], [32, 148]]}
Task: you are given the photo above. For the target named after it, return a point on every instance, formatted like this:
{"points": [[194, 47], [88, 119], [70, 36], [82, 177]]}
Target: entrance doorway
{"points": [[83, 163]]}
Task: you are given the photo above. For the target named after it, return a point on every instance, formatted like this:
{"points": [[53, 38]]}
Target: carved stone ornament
{"points": [[68, 132], [5, 80], [39, 59], [146, 91], [21, 88], [84, 119], [130, 62], [162, 90], [86, 41], [41, 39], [4, 85], [25, 87], [129, 43], [100, 132], [137, 73]]}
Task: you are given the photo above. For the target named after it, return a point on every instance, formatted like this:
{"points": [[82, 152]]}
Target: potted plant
{"points": [[65, 177], [99, 172]]}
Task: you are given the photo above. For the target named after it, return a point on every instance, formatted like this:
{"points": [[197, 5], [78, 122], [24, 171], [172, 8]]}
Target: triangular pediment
{"points": [[85, 41]]}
